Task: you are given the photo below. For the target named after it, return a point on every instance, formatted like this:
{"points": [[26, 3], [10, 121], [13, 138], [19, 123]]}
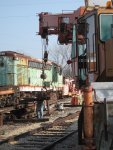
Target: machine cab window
{"points": [[106, 27]]}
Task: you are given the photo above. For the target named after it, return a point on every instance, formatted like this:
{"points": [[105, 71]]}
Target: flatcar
{"points": [[20, 77]]}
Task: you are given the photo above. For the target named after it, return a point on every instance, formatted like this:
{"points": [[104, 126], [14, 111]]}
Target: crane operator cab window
{"points": [[106, 36], [81, 52], [87, 52], [78, 53], [106, 27], [73, 52], [63, 22], [91, 43], [82, 68]]}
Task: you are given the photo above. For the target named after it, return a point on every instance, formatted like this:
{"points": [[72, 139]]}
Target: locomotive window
{"points": [[106, 22], [34, 64], [1, 64], [54, 74], [29, 64], [10, 58], [48, 67], [40, 65], [60, 70]]}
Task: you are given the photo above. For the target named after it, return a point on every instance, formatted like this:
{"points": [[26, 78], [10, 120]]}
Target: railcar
{"points": [[20, 77]]}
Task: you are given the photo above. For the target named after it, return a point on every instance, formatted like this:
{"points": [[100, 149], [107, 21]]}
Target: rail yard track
{"points": [[42, 138], [25, 112], [40, 135], [69, 142]]}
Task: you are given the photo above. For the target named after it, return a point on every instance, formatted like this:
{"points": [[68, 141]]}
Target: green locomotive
{"points": [[20, 77]]}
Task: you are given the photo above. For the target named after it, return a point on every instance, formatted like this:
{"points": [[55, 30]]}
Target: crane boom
{"points": [[57, 24]]}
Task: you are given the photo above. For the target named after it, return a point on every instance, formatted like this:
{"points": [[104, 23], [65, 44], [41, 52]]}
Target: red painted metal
{"points": [[50, 24]]}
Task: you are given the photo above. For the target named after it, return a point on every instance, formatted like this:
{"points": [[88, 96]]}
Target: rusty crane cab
{"points": [[94, 43], [94, 59]]}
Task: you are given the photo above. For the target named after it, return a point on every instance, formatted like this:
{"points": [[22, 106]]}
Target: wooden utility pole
{"points": [[86, 3]]}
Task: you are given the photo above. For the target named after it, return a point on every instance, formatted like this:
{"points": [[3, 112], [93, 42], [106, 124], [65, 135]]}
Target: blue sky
{"points": [[19, 23]]}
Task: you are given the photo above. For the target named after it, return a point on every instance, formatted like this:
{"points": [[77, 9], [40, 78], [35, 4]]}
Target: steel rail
{"points": [[59, 140]]}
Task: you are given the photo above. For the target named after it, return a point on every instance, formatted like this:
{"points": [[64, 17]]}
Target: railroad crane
{"points": [[90, 31]]}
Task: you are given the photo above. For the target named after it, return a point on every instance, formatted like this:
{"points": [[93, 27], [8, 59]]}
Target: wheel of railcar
{"points": [[12, 117], [9, 101], [53, 96], [2, 103], [16, 101]]}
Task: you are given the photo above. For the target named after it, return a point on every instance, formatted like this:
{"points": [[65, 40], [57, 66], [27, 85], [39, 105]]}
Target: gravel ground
{"points": [[18, 128], [71, 143]]}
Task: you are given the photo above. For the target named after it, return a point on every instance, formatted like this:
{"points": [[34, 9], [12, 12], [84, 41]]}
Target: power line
{"points": [[39, 3], [5, 17]]}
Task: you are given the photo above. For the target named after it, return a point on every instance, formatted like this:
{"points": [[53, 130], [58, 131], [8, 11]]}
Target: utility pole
{"points": [[86, 3]]}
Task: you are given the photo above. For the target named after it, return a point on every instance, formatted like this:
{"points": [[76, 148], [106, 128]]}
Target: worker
{"points": [[40, 109], [40, 105], [45, 105]]}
